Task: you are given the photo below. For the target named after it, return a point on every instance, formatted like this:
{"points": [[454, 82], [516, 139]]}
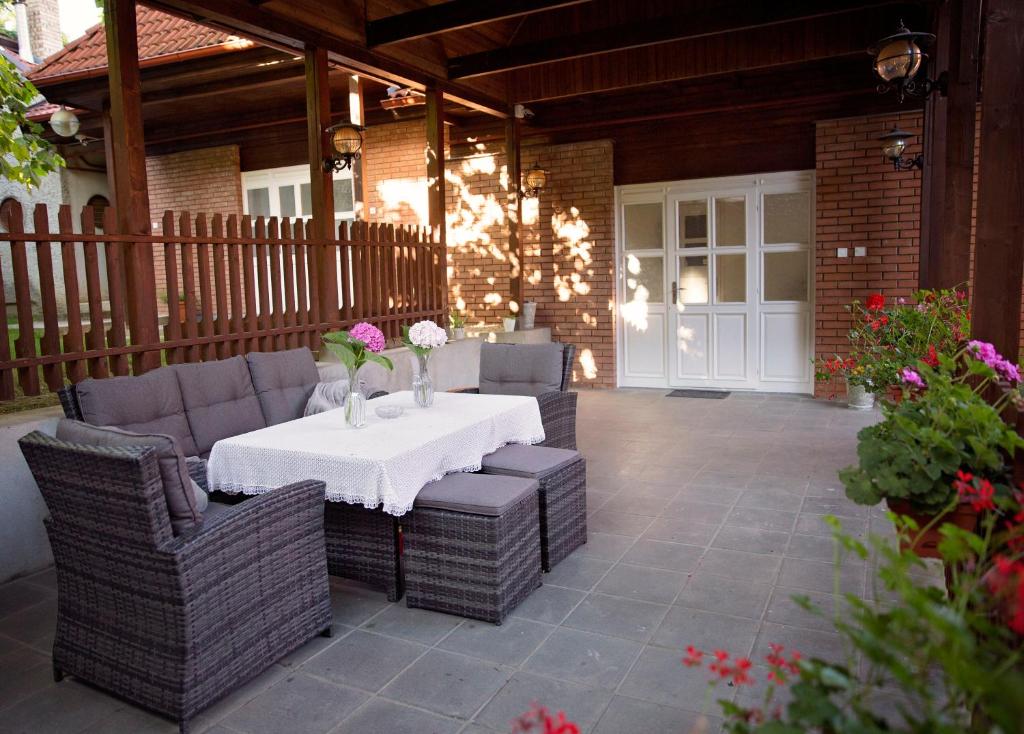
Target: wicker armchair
{"points": [[171, 623], [557, 407]]}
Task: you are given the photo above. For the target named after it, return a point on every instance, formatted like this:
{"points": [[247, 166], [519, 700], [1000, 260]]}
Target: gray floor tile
{"points": [[800, 573], [584, 657], [134, 720], [20, 594], [707, 631], [810, 524], [696, 511], [784, 608], [380, 715], [417, 625], [810, 643], [354, 603], [448, 684], [299, 704], [617, 617], [835, 505], [725, 595], [751, 540], [34, 625], [25, 672], [680, 531], [70, 706], [314, 647], [770, 499], [741, 565], [577, 572], [582, 705], [643, 583], [604, 546], [812, 547], [364, 660], [550, 604], [618, 523], [660, 677], [762, 519], [659, 554], [714, 495], [634, 503], [630, 716], [508, 644]]}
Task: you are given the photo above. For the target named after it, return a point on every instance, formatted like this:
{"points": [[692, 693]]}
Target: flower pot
{"points": [[510, 324], [459, 333], [894, 394], [925, 542], [858, 397], [529, 314]]}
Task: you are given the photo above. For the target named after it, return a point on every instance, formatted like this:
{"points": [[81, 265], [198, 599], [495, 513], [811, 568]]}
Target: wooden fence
{"points": [[224, 286]]}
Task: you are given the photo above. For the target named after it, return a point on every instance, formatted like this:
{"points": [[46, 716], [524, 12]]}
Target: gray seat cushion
{"points": [[475, 494], [283, 382], [149, 403], [185, 500], [528, 461], [520, 369], [220, 401]]}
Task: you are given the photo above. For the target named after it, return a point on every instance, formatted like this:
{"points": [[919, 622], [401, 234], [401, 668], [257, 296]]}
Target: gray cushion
{"points": [[475, 494], [185, 500], [283, 382], [327, 396], [528, 461], [520, 369], [220, 401], [149, 403]]}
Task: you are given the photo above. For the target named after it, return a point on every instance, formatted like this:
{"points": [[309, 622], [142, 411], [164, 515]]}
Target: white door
{"points": [[714, 283]]}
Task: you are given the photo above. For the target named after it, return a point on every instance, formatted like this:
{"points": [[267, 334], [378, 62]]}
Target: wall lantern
{"points": [[536, 180], [347, 140], [898, 61], [64, 122], [894, 143]]}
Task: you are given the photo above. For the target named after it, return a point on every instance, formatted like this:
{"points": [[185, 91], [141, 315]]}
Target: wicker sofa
{"points": [[174, 622]]}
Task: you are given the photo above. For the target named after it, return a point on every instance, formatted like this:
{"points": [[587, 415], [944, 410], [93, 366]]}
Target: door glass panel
{"points": [[643, 226], [286, 195], [258, 201], [306, 194], [785, 276], [693, 224], [730, 278], [646, 275], [731, 221], [693, 279], [787, 218], [343, 195]]}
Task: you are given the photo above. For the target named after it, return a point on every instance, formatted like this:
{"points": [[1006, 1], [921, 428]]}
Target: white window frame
{"points": [[274, 178]]}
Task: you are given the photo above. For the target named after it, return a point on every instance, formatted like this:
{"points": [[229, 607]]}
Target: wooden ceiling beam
{"points": [[739, 16], [276, 31], [451, 16]]}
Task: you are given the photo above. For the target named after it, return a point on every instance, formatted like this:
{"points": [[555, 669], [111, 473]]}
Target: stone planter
{"points": [[510, 324], [858, 397], [459, 333], [529, 314], [925, 542]]}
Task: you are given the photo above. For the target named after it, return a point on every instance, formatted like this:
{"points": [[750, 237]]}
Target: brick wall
{"points": [[862, 202], [568, 234]]}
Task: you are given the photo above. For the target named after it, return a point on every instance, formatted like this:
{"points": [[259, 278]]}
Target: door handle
{"points": [[675, 292]]}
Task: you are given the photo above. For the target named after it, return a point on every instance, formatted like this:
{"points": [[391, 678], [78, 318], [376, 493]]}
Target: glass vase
{"points": [[355, 401], [422, 385]]}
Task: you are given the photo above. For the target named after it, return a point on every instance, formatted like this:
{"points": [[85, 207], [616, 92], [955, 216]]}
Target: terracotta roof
{"points": [[19, 63], [160, 35]]}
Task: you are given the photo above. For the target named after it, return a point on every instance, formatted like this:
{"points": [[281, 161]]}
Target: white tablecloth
{"points": [[386, 462]]}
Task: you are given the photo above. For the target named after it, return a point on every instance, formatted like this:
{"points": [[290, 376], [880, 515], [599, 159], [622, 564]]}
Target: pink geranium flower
{"points": [[911, 377], [369, 335]]}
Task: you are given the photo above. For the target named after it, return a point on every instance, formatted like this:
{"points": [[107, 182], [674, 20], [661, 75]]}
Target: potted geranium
{"points": [[458, 324], [830, 370], [913, 458], [422, 338], [361, 344], [509, 321]]}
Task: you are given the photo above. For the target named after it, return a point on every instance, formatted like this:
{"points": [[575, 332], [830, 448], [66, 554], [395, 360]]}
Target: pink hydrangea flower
{"points": [[369, 335], [911, 377]]}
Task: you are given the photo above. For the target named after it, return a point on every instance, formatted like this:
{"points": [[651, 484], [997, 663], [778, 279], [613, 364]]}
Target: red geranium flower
{"points": [[932, 360], [875, 302]]}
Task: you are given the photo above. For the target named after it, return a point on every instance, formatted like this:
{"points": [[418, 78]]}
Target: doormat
{"points": [[705, 394]]}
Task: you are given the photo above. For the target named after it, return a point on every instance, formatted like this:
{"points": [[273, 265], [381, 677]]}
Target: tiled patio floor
{"points": [[706, 516]]}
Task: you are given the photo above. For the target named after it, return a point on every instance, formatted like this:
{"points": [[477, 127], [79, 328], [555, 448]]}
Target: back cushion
{"points": [[283, 382], [185, 501], [149, 403], [220, 400], [520, 369]]}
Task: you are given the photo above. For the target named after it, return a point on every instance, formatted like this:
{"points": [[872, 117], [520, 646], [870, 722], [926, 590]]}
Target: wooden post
{"points": [[357, 116], [949, 126], [128, 183], [514, 165], [435, 176], [999, 249], [318, 119]]}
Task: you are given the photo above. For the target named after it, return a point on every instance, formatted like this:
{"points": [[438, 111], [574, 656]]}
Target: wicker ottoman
{"points": [[472, 546], [562, 475]]}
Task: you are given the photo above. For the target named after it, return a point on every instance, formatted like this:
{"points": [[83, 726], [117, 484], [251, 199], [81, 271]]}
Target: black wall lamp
{"points": [[894, 143], [898, 61], [536, 180], [347, 140]]}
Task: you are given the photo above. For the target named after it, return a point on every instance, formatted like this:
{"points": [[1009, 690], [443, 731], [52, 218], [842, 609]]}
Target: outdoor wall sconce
{"points": [[894, 143], [64, 122], [898, 61], [347, 140], [536, 180]]}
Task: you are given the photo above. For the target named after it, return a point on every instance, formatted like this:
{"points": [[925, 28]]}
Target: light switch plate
{"points": [[842, 252], [860, 251]]}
